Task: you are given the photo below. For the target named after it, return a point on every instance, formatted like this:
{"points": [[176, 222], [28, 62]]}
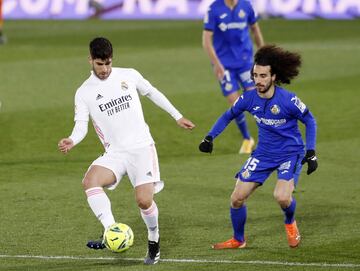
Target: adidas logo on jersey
{"points": [[149, 174], [99, 97]]}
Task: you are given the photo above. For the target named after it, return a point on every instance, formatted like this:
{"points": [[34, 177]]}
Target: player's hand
{"points": [[219, 71], [65, 145], [311, 160], [206, 145], [185, 123]]}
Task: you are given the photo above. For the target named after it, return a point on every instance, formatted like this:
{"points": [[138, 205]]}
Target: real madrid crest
{"points": [[242, 14], [124, 86], [275, 109]]}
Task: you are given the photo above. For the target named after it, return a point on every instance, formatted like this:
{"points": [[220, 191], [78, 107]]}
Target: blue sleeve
{"points": [[310, 123], [252, 18], [209, 20], [300, 111], [220, 125]]}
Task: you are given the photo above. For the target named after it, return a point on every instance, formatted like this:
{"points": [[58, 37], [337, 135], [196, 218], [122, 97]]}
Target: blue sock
{"points": [[241, 123], [238, 219], [289, 212]]}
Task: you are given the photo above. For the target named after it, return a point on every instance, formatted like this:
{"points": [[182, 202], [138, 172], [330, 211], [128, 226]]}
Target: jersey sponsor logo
{"points": [[99, 96], [242, 14], [275, 109], [223, 26], [270, 122], [115, 102], [299, 104], [124, 86]]}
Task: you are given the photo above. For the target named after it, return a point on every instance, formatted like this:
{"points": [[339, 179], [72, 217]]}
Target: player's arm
{"points": [[206, 144], [145, 88], [310, 157], [302, 113], [80, 128], [78, 134], [161, 101], [207, 43], [256, 32]]}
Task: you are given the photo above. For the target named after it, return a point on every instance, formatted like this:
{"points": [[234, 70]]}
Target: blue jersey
{"points": [[231, 37], [277, 120]]}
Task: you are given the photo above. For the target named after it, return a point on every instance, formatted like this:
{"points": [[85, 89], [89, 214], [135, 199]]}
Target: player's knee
{"points": [[283, 199], [144, 203], [89, 182], [237, 200]]}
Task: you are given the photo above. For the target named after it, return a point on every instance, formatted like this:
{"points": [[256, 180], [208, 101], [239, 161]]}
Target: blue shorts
{"points": [[232, 80], [259, 167]]}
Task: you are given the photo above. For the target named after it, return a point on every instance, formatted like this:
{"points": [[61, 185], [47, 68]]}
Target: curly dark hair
{"points": [[284, 64], [101, 48]]}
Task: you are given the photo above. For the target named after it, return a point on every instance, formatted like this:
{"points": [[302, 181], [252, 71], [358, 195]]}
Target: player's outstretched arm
{"points": [[65, 145], [185, 123]]}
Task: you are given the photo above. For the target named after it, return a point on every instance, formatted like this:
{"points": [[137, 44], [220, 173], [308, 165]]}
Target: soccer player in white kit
{"points": [[110, 98]]}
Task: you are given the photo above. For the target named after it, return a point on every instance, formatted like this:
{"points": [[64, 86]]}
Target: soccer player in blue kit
{"points": [[280, 146], [227, 41]]}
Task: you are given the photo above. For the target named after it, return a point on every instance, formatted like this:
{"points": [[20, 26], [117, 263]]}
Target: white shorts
{"points": [[141, 165]]}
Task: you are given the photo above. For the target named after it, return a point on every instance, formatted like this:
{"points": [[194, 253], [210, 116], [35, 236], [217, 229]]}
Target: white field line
{"points": [[43, 257]]}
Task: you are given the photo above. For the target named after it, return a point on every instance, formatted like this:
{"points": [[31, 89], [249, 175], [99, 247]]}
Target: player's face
{"points": [[262, 78], [101, 68]]}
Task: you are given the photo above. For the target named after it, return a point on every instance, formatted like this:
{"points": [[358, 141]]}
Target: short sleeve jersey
{"points": [[277, 120], [231, 37], [114, 107]]}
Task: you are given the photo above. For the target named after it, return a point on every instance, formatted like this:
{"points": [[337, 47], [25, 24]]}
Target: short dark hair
{"points": [[284, 64], [101, 48]]}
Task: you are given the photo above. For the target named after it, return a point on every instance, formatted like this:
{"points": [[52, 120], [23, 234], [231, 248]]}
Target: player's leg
{"points": [[288, 173], [143, 171], [283, 195], [150, 214], [238, 214], [148, 209], [95, 179]]}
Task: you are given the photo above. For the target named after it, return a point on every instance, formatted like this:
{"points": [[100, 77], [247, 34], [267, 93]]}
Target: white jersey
{"points": [[115, 109]]}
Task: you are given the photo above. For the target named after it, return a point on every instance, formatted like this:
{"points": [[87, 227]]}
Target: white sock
{"points": [[151, 219], [100, 205]]}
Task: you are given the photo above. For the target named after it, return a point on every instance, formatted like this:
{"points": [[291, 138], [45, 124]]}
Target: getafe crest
{"points": [[245, 174], [275, 109], [228, 86], [124, 86], [241, 14]]}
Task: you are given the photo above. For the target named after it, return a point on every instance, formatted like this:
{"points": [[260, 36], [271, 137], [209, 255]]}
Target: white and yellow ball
{"points": [[118, 237]]}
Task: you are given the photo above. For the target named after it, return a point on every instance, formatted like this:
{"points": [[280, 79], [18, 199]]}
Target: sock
{"points": [[289, 212], [241, 123], [151, 219], [100, 205], [238, 219]]}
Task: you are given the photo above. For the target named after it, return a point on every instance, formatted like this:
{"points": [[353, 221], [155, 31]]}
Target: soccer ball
{"points": [[118, 237]]}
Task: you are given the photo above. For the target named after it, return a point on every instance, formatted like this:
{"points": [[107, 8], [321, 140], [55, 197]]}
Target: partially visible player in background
{"points": [[110, 97], [280, 146], [2, 36], [227, 41]]}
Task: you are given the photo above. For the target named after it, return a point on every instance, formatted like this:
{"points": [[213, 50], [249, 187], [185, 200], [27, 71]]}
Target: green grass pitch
{"points": [[44, 210]]}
